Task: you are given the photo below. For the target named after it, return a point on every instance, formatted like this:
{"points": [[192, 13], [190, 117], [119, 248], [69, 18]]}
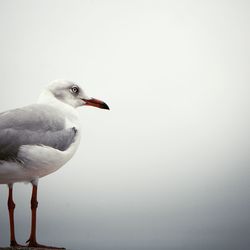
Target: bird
{"points": [[38, 139]]}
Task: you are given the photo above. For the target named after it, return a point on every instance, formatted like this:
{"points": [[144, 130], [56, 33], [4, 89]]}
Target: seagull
{"points": [[38, 139]]}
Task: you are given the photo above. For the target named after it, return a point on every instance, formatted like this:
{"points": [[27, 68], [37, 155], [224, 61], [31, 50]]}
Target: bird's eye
{"points": [[75, 90]]}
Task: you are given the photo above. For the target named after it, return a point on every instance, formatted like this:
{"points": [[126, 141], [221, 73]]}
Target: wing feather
{"points": [[33, 125]]}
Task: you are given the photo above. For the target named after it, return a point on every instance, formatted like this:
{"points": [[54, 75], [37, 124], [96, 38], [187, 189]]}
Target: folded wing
{"points": [[33, 125]]}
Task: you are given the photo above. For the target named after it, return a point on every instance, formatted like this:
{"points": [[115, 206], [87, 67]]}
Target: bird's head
{"points": [[72, 94]]}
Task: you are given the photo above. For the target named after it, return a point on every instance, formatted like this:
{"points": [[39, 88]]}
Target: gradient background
{"points": [[168, 166]]}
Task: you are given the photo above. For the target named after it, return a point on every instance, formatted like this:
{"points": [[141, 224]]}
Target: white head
{"points": [[70, 93]]}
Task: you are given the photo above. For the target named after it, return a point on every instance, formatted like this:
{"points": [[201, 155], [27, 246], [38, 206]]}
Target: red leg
{"points": [[34, 204], [11, 207]]}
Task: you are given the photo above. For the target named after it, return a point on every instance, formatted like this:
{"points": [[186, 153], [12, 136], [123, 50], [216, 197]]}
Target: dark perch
{"points": [[27, 248]]}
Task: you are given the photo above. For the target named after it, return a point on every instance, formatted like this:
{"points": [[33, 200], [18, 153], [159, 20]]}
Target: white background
{"points": [[168, 166]]}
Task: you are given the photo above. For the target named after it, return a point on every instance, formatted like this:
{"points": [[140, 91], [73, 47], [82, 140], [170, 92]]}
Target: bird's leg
{"points": [[11, 207], [34, 204]]}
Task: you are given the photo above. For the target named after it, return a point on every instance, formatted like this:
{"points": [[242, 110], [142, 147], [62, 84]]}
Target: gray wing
{"points": [[33, 117], [33, 125]]}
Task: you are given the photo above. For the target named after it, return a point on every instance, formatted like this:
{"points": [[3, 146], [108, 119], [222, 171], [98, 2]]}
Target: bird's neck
{"points": [[47, 98]]}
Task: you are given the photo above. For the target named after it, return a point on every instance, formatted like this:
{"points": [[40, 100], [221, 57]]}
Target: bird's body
{"points": [[39, 139]]}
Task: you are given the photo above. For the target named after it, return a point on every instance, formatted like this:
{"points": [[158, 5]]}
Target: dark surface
{"points": [[27, 248]]}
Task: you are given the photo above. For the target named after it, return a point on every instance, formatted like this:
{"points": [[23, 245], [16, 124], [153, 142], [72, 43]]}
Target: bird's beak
{"points": [[95, 103]]}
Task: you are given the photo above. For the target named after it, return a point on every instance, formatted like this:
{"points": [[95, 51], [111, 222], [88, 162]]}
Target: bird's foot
{"points": [[13, 243], [33, 243]]}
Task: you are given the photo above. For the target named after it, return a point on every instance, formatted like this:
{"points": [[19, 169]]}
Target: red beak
{"points": [[96, 103]]}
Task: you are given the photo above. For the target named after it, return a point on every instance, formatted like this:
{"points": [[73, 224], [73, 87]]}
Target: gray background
{"points": [[168, 166]]}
